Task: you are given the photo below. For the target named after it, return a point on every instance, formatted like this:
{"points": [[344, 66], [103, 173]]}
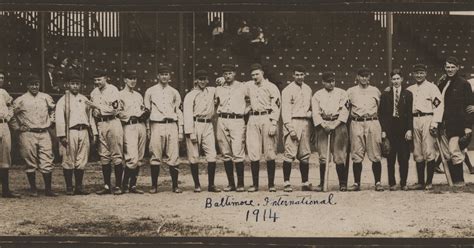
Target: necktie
{"points": [[395, 105]]}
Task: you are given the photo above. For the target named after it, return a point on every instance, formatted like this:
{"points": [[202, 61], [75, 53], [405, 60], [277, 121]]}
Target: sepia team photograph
{"points": [[236, 123]]}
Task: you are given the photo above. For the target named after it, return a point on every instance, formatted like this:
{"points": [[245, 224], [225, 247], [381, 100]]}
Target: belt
{"points": [[79, 127], [330, 118], [132, 121], [37, 130], [105, 118], [164, 121], [419, 114], [364, 118], [202, 120], [230, 116], [260, 113], [3, 120], [301, 118]]}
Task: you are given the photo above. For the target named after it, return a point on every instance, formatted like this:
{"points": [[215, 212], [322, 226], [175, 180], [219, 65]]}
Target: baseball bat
{"points": [[67, 107], [328, 160], [445, 164]]}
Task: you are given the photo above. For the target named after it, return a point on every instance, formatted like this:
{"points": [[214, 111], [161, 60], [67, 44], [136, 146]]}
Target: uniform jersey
{"points": [[427, 99], [34, 111], [232, 98], [80, 114], [327, 104], [164, 103], [5, 105], [296, 102], [107, 99], [364, 101], [198, 104], [132, 103], [264, 97]]}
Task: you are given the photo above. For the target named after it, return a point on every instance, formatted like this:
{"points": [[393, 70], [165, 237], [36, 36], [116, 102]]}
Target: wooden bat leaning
{"points": [[445, 164], [328, 160]]}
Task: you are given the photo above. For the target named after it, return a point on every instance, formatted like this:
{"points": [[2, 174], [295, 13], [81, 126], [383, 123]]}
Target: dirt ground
{"points": [[442, 212]]}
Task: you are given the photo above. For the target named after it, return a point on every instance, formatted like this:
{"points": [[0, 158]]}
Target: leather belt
{"points": [[301, 118], [260, 113], [421, 114], [364, 118], [37, 130], [79, 127], [3, 120], [202, 120], [230, 116], [132, 121], [105, 118], [330, 118], [164, 121]]}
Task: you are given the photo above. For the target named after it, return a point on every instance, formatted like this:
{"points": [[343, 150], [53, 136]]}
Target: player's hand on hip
{"points": [[433, 131], [384, 135]]}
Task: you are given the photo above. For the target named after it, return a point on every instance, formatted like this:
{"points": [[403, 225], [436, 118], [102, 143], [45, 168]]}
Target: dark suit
{"points": [[396, 128]]}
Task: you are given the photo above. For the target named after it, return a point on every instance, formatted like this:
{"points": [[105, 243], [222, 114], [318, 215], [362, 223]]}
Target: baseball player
{"points": [[6, 113], [165, 128], [366, 132], [457, 96], [133, 117], [107, 105], [427, 113], [264, 99], [232, 105], [330, 113], [198, 110], [34, 112], [296, 117], [75, 141]]}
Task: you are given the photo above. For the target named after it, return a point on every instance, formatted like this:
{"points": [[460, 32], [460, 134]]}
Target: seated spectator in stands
{"points": [[54, 59], [75, 68], [244, 30], [217, 33], [286, 38], [51, 79], [259, 45]]}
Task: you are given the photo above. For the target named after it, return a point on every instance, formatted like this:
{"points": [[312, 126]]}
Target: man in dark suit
{"points": [[51, 80], [456, 124], [395, 118]]}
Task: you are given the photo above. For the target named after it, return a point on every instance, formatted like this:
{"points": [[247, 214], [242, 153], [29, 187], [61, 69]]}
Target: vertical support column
{"points": [[389, 29], [42, 28], [181, 53]]}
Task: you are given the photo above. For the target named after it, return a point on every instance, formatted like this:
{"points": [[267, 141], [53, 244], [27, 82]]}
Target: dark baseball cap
{"points": [[256, 66], [452, 60], [364, 72], [299, 68], [32, 79], [419, 67], [328, 76], [99, 73], [74, 78], [130, 74], [228, 67], [164, 69], [201, 74]]}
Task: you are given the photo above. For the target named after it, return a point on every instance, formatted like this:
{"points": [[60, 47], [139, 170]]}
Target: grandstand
{"points": [[339, 41]]}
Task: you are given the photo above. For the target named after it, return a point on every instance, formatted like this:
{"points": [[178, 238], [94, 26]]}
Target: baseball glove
{"points": [[385, 147], [146, 114], [464, 141]]}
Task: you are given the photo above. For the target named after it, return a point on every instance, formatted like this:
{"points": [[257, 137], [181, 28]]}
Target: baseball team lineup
{"points": [[238, 118]]}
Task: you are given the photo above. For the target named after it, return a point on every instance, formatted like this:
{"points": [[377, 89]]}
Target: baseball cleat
{"points": [[213, 188], [197, 189], [177, 190], [153, 190], [240, 189], [288, 188], [354, 187], [429, 186], [393, 188], [272, 189], [134, 190], [417, 186], [230, 188], [379, 187], [253, 189]]}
